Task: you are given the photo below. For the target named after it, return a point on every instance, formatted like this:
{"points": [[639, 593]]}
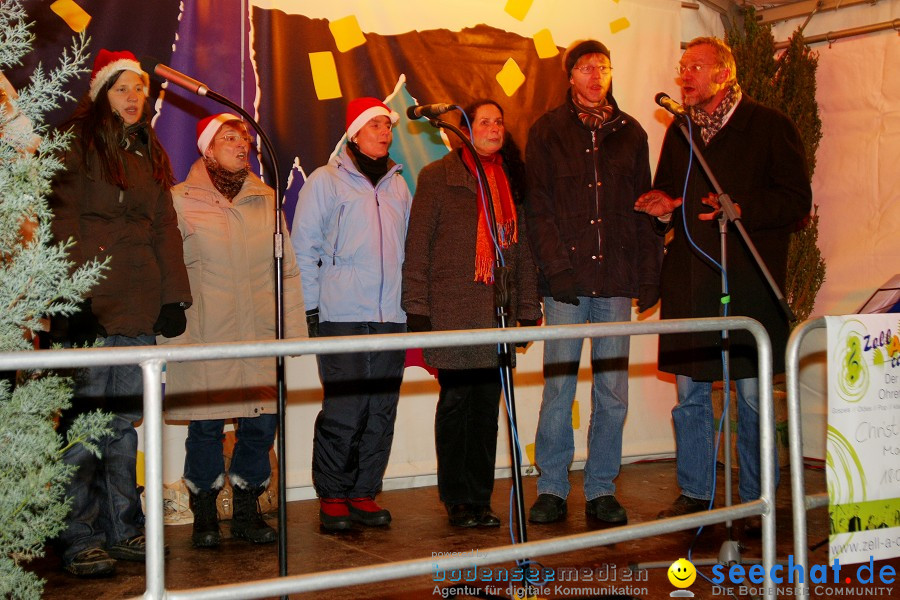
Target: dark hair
{"points": [[509, 151], [99, 130]]}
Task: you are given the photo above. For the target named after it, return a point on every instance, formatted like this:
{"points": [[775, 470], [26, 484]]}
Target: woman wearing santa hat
{"points": [[113, 200], [349, 232], [226, 216]]}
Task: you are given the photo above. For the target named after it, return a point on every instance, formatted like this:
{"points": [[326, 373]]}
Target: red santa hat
{"points": [[208, 127], [361, 110], [108, 64]]}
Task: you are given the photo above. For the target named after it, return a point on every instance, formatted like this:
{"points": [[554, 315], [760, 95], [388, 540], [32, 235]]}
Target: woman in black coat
{"points": [[448, 284]]}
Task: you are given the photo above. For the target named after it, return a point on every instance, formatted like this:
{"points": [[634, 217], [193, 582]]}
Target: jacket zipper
{"points": [[337, 237], [381, 254], [594, 159]]}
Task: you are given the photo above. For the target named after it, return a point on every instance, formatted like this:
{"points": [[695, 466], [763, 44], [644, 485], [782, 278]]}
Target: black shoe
{"points": [[547, 509], [684, 505], [752, 526], [93, 562], [133, 549], [486, 517], [205, 532], [463, 515], [607, 509], [246, 522]]}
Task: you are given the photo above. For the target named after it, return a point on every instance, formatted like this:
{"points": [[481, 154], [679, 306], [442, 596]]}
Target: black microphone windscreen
{"points": [[660, 96], [411, 112], [148, 64]]}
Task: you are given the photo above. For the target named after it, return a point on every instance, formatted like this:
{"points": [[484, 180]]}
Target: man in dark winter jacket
{"points": [[757, 156], [587, 162]]}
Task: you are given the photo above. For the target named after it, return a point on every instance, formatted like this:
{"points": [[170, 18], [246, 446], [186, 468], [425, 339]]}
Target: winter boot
{"points": [[206, 519], [247, 523]]}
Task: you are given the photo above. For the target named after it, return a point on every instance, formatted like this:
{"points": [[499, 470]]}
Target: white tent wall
{"points": [[853, 72], [855, 184]]}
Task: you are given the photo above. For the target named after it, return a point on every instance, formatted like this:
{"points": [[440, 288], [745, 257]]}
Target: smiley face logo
{"points": [[682, 573]]}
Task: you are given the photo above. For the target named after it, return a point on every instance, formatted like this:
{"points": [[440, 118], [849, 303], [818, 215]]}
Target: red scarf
{"points": [[504, 212]]}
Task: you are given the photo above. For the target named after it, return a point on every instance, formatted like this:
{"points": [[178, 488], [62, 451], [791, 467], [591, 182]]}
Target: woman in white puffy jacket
{"points": [[348, 233]]}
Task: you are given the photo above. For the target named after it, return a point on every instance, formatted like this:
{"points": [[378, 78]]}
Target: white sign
{"points": [[863, 441]]}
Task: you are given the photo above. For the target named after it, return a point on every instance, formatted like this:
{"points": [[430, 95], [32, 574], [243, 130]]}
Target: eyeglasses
{"points": [[694, 69], [589, 69], [234, 138]]}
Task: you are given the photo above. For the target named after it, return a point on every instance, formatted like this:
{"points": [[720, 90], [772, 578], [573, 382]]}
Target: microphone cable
{"points": [[726, 379]]}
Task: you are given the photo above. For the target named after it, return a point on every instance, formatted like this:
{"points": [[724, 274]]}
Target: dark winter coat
{"points": [[759, 161], [135, 228], [582, 186], [439, 268]]}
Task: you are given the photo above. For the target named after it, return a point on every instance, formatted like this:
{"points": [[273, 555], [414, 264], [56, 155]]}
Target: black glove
{"points": [[171, 321], [526, 323], [81, 328], [648, 296], [417, 323], [312, 322], [562, 287]]}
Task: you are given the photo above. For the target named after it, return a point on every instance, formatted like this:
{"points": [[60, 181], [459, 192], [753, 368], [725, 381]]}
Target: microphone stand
{"points": [[278, 254], [504, 354]]}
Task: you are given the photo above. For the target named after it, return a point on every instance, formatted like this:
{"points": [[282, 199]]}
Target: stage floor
{"points": [[420, 528]]}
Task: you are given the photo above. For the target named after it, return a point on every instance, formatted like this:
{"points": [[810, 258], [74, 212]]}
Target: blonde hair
{"points": [[724, 56]]}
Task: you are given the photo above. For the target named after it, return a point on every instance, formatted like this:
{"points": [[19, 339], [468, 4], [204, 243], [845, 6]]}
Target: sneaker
{"points": [[93, 562], [334, 515], [365, 511], [133, 549], [547, 509], [607, 509], [684, 505]]}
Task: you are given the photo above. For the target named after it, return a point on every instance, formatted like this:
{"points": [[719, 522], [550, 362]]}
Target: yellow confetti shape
{"points": [[544, 44], [347, 34], [517, 9], [72, 14], [140, 468], [618, 25], [510, 77], [529, 452], [325, 77], [576, 416]]}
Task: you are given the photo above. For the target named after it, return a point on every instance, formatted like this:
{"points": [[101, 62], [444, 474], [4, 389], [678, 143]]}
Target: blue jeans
{"points": [[694, 438], [103, 491], [204, 463], [555, 441]]}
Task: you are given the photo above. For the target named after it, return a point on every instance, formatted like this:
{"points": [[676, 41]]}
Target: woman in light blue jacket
{"points": [[349, 233]]}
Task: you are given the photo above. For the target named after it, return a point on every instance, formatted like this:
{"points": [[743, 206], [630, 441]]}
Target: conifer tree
{"points": [[37, 281], [787, 83]]}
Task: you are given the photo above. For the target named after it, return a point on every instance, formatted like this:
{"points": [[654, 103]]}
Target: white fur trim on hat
{"points": [[368, 114], [123, 64], [209, 132]]}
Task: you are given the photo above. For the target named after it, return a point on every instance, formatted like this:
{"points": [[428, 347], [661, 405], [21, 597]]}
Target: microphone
{"points": [[151, 65], [429, 111], [664, 100]]}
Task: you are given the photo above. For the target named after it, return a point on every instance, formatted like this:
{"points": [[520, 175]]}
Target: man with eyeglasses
{"points": [[587, 162], [757, 156]]}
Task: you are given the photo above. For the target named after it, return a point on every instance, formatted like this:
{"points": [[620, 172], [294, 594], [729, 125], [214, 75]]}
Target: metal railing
{"points": [[800, 502], [152, 359]]}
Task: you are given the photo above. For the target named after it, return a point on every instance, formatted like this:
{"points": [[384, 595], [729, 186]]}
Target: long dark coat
{"points": [[759, 161], [135, 228], [439, 268]]}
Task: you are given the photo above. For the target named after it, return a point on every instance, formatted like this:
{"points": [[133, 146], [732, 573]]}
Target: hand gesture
{"points": [[656, 204]]}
